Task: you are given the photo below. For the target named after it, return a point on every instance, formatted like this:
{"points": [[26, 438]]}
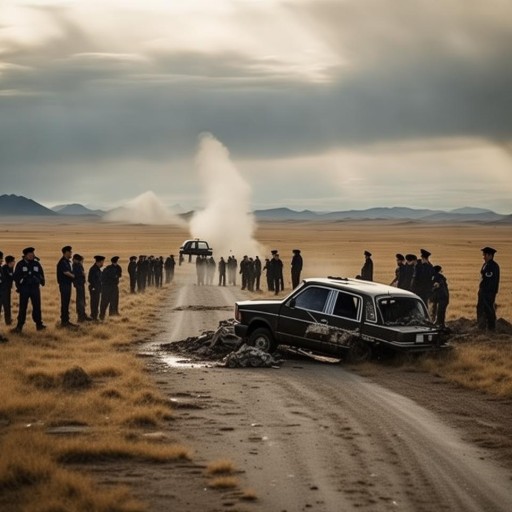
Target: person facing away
{"points": [[94, 280], [65, 278], [140, 271], [297, 263], [398, 279], [7, 273], [110, 289], [222, 272], [367, 270], [277, 271], [422, 280], [28, 278], [268, 274], [408, 271], [169, 265], [257, 273], [79, 284], [487, 290], [440, 297], [132, 273], [244, 271]]}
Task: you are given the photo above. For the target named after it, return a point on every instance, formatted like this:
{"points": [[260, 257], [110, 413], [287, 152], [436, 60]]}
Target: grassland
{"points": [[41, 471]]}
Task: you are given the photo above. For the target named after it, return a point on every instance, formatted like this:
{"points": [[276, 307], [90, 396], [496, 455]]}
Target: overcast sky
{"points": [[327, 105]]}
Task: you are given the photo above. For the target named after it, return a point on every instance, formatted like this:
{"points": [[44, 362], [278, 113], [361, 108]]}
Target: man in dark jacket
{"points": [[398, 281], [29, 277], [270, 278], [440, 297], [408, 271], [132, 272], [141, 274], [257, 273], [276, 269], [487, 291], [94, 280], [7, 273], [367, 270], [422, 280], [159, 271], [296, 267], [110, 288], [244, 271], [222, 272], [169, 265], [65, 279], [79, 284]]}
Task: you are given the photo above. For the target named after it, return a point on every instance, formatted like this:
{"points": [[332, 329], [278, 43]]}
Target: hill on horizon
{"points": [[13, 205]]}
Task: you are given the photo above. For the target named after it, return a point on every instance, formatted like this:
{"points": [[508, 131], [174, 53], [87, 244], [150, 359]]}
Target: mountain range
{"points": [[13, 205]]}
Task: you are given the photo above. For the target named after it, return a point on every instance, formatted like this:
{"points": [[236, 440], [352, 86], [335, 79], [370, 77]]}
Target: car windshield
{"points": [[403, 311]]}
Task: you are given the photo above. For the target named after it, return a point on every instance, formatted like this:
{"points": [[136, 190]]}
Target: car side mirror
{"points": [[291, 304]]}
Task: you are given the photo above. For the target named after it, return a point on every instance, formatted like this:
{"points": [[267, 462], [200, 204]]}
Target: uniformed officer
{"points": [[276, 266], [408, 271], [222, 272], [398, 281], [440, 296], [367, 270], [297, 263], [169, 265], [65, 279], [110, 288], [270, 278], [422, 280], [29, 277], [7, 272], [244, 271], [141, 273], [257, 273], [159, 271], [487, 291], [132, 272], [94, 280], [79, 284]]}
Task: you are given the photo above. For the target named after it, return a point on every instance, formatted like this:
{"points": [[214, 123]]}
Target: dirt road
{"points": [[317, 436]]}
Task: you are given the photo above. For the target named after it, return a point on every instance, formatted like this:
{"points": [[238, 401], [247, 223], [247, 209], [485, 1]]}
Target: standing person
{"points": [[222, 272], [408, 271], [29, 277], [487, 290], [422, 280], [257, 273], [296, 267], [234, 267], [79, 284], [7, 272], [270, 278], [110, 289], [210, 270], [146, 272], [250, 275], [3, 339], [132, 272], [201, 270], [159, 271], [244, 271], [94, 280], [151, 269], [141, 278], [170, 263], [65, 279], [276, 266], [398, 281], [367, 270], [440, 297]]}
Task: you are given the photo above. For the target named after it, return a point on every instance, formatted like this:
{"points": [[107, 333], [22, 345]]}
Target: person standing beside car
{"points": [[297, 264], [367, 270], [440, 297]]}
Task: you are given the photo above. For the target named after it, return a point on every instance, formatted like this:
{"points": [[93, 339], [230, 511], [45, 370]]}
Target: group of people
{"points": [[426, 280], [250, 271], [27, 275]]}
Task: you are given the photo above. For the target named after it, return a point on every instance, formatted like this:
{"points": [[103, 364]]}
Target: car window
{"points": [[202, 245], [312, 298], [346, 306], [402, 311]]}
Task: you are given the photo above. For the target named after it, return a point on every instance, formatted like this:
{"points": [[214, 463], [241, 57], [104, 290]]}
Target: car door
{"points": [[302, 317]]}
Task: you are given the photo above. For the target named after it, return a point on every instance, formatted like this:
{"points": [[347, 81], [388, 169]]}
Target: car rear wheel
{"points": [[263, 339], [359, 352]]}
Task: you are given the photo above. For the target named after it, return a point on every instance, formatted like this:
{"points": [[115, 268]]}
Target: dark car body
{"points": [[336, 316], [195, 248]]}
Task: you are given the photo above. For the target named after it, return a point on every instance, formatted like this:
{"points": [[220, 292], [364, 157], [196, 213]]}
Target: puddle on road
{"points": [[177, 361]]}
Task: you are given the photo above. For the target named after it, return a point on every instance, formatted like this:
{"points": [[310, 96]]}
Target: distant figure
{"points": [[94, 280], [257, 273], [270, 278], [367, 270], [244, 271], [408, 271], [65, 278], [440, 297], [141, 274], [159, 271], [201, 270], [151, 270], [79, 284], [487, 290], [398, 279], [296, 267], [422, 280], [29, 277], [169, 265], [211, 266], [110, 289], [132, 272], [7, 272], [276, 266], [222, 272], [250, 275]]}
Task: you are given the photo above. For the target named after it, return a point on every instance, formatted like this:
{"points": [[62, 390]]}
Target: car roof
{"points": [[358, 285]]}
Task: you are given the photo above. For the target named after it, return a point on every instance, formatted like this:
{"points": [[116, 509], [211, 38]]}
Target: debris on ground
{"points": [[465, 328], [223, 346]]}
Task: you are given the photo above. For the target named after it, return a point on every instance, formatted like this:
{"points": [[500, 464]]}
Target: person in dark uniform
{"points": [[211, 266], [296, 267], [244, 271], [201, 270], [422, 280], [110, 288], [141, 278], [367, 270], [151, 270], [94, 280], [7, 273], [408, 271], [170, 263], [159, 271], [79, 284], [29, 277], [257, 273], [234, 267], [400, 262], [249, 269], [132, 272], [270, 278], [222, 272], [487, 291], [440, 297], [276, 266], [65, 278]]}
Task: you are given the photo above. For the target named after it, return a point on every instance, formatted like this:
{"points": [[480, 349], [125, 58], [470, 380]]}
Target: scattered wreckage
{"points": [[340, 317]]}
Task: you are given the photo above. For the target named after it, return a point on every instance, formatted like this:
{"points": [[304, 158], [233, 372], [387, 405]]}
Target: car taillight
{"points": [[238, 316]]}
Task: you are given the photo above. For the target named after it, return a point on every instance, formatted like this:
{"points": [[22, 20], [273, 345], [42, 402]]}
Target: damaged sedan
{"points": [[340, 317]]}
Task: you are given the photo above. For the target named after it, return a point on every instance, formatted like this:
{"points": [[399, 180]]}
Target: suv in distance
{"points": [[340, 317], [195, 248]]}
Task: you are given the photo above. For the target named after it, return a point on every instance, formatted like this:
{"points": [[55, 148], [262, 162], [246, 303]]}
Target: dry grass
{"points": [[249, 495], [221, 467], [223, 482]]}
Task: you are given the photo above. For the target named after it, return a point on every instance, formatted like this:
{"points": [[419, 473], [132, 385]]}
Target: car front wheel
{"points": [[263, 339]]}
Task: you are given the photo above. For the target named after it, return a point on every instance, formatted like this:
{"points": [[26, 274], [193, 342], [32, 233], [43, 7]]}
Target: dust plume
{"points": [[226, 221], [144, 209]]}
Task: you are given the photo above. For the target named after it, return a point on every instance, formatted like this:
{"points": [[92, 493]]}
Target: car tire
{"points": [[359, 352], [263, 339]]}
